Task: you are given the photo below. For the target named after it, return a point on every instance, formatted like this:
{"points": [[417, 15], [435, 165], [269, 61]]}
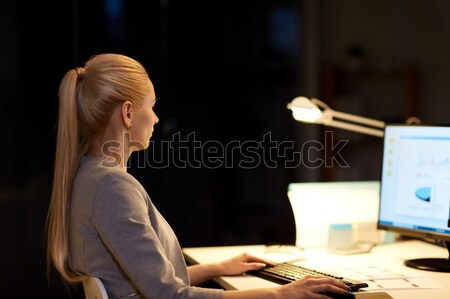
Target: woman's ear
{"points": [[127, 114]]}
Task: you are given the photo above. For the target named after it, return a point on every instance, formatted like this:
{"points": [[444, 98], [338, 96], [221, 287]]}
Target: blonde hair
{"points": [[87, 99]]}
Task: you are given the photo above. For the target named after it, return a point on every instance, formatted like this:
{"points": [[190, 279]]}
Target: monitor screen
{"points": [[415, 181]]}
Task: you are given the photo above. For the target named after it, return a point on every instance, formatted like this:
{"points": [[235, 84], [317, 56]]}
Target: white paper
{"points": [[402, 284]]}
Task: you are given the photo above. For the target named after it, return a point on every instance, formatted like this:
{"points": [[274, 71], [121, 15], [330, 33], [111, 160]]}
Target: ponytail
{"points": [[87, 99], [69, 148]]}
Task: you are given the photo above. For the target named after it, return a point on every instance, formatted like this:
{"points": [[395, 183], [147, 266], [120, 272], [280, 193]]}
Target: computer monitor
{"points": [[415, 187]]}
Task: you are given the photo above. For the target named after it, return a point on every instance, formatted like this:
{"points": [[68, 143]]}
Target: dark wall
{"points": [[223, 72]]}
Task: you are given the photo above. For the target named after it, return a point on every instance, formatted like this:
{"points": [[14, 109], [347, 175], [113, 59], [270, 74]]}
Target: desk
{"points": [[388, 256]]}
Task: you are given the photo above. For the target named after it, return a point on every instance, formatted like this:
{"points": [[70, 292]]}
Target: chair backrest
{"points": [[94, 289]]}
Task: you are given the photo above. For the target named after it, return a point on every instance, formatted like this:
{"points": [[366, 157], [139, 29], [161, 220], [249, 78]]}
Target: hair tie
{"points": [[80, 72]]}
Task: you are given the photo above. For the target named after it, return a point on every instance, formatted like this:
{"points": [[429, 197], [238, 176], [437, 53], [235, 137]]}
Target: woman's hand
{"points": [[243, 263], [308, 287], [313, 287], [234, 266]]}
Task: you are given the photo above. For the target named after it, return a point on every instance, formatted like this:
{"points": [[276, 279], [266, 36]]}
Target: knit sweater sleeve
{"points": [[120, 215]]}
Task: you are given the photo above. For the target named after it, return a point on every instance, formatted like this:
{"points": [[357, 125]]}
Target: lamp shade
{"points": [[304, 110]]}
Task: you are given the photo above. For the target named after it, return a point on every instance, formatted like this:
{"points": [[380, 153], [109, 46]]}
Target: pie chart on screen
{"points": [[424, 193]]}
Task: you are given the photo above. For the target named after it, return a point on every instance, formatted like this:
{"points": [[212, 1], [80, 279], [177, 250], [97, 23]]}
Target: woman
{"points": [[102, 222]]}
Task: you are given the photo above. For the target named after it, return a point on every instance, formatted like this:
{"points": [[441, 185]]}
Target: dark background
{"points": [[224, 71]]}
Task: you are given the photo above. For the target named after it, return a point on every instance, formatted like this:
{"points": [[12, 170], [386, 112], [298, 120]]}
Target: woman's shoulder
{"points": [[108, 178], [118, 189], [113, 175]]}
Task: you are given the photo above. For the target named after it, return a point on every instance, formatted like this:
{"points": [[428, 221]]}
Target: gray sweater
{"points": [[118, 235]]}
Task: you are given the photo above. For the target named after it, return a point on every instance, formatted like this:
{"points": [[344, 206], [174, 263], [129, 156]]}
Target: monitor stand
{"points": [[431, 264]]}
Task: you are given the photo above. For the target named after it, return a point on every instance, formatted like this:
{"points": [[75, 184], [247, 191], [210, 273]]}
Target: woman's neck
{"points": [[112, 153]]}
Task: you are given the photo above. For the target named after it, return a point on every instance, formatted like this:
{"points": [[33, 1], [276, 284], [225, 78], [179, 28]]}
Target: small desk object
{"points": [[382, 268]]}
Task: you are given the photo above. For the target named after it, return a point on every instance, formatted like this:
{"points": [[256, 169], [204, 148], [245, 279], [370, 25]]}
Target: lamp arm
{"points": [[355, 128], [358, 119]]}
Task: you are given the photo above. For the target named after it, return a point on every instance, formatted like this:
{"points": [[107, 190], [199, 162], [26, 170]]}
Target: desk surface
{"points": [[388, 257]]}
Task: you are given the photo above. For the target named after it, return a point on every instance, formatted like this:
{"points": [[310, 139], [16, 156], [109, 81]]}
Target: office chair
{"points": [[94, 289]]}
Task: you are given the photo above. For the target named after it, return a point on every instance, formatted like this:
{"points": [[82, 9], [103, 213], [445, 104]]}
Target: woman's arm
{"points": [[200, 273], [309, 287], [234, 266]]}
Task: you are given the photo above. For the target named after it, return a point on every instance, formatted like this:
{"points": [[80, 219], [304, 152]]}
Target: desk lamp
{"points": [[315, 111]]}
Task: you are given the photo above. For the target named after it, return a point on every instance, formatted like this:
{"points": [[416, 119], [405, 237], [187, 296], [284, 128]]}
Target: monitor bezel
{"points": [[410, 232]]}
